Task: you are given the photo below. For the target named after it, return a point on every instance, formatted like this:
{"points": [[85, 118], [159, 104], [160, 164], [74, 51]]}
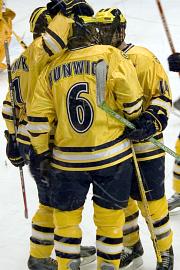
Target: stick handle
{"points": [[11, 89], [166, 28]]}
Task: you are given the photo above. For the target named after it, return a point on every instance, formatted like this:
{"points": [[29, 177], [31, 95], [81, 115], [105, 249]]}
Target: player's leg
{"points": [[111, 189], [174, 200], [153, 173], [68, 194], [131, 257]]}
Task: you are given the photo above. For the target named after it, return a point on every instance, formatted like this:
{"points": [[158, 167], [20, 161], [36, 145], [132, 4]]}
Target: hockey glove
{"points": [[12, 150], [25, 152], [39, 166], [174, 62], [145, 128], [68, 7]]}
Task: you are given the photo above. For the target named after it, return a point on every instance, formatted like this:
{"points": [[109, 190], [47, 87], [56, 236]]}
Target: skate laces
{"points": [[52, 261], [125, 253], [166, 258]]}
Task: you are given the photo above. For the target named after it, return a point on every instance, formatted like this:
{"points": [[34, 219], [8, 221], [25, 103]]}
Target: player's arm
{"points": [[56, 36], [41, 115], [7, 113], [126, 88], [155, 116], [159, 106]]}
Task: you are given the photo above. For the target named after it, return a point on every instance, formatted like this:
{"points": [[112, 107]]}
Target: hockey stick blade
{"points": [[101, 75]]}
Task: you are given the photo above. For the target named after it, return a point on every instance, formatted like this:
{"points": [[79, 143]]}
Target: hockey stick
{"points": [[12, 95], [166, 28], [101, 103], [146, 207], [19, 39], [101, 73]]}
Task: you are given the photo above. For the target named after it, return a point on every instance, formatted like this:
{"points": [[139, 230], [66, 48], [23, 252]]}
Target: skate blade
{"points": [[88, 260], [137, 263], [174, 212], [128, 267]]}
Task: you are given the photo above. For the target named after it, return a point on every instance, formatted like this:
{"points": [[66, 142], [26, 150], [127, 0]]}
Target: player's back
{"points": [[84, 131]]}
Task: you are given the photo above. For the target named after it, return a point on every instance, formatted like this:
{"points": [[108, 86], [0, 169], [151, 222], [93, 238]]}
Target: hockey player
{"points": [[89, 145], [41, 241], [174, 201], [156, 108], [6, 17]]}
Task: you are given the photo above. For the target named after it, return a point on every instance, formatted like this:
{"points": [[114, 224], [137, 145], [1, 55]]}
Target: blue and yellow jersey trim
{"points": [[92, 158]]}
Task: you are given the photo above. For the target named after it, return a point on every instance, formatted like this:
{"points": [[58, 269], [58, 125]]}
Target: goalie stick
{"points": [[12, 95], [101, 74]]}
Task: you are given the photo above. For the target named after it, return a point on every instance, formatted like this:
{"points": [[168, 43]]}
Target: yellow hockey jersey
{"points": [[26, 69], [6, 17], [86, 137], [156, 91]]}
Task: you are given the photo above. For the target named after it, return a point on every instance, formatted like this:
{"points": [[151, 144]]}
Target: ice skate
{"points": [[167, 260], [174, 203], [42, 263], [131, 257], [88, 255]]}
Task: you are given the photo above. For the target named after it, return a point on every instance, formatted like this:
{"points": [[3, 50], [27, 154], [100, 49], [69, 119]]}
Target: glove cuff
{"points": [[150, 116]]}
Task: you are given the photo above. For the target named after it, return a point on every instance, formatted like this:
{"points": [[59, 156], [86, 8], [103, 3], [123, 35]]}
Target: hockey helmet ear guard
{"points": [[39, 21], [112, 24]]}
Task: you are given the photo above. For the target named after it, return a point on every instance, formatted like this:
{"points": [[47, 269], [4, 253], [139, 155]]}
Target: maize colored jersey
{"points": [[26, 69], [156, 91], [6, 17], [176, 169], [86, 137]]}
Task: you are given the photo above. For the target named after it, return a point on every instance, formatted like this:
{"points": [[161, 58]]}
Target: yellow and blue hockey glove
{"points": [[68, 7], [174, 62], [12, 150], [145, 128]]}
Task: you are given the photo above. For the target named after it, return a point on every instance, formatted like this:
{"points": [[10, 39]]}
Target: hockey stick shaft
{"points": [[146, 207], [101, 73], [19, 39], [166, 28], [127, 123], [11, 89]]}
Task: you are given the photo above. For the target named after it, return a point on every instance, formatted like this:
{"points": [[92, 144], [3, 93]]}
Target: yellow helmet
{"points": [[109, 14], [84, 32], [39, 20], [111, 25]]}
